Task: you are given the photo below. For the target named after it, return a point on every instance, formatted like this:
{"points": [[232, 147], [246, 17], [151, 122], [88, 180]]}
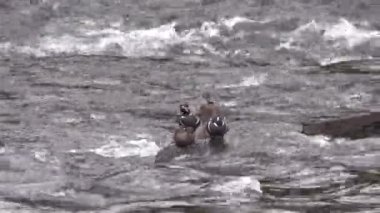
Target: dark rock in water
{"points": [[4, 95], [34, 2], [354, 126], [172, 151], [370, 66]]}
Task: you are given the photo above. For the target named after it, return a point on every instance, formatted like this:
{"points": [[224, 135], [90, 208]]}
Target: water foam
{"points": [[110, 41], [230, 103], [251, 81], [349, 34], [41, 155], [232, 22], [330, 42], [241, 185], [119, 147], [86, 38], [144, 42], [323, 42], [93, 40], [238, 190]]}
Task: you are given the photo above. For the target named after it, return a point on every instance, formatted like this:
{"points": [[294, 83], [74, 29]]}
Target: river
{"points": [[89, 91]]}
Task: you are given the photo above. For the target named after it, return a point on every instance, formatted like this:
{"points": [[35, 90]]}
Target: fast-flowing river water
{"points": [[89, 91]]}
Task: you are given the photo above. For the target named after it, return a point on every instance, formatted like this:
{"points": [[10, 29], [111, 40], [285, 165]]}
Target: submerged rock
{"points": [[353, 126], [199, 148]]}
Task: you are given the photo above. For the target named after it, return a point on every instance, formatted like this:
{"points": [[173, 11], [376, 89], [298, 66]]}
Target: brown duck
{"points": [[208, 110], [184, 136]]}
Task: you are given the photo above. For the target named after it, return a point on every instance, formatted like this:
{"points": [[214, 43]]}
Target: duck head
{"points": [[184, 109]]}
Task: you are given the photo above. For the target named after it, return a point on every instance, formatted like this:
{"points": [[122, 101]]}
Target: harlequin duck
{"points": [[213, 123], [208, 110], [186, 118], [192, 128], [217, 126], [184, 136]]}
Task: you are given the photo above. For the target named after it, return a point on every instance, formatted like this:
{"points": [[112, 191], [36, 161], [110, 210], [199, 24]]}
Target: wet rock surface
{"points": [[354, 126], [355, 67], [200, 148]]}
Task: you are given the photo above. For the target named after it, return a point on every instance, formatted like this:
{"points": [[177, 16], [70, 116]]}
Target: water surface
{"points": [[89, 90]]}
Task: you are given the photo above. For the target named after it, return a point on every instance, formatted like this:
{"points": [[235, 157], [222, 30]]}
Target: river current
{"points": [[89, 91]]}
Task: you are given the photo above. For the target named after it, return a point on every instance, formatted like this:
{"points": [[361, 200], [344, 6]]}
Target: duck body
{"points": [[185, 118], [208, 110], [216, 126], [184, 136], [188, 121]]}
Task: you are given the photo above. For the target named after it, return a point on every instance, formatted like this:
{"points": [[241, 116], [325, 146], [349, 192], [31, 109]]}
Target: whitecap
{"points": [[90, 39], [5, 45], [121, 147], [210, 29], [41, 155], [134, 43], [351, 35], [97, 116], [328, 42], [229, 103], [251, 81], [242, 185], [230, 23], [321, 140], [45, 156]]}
